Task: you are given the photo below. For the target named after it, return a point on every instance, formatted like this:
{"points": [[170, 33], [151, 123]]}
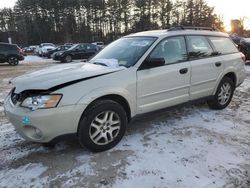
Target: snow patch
{"points": [[247, 68], [24, 176], [35, 59]]}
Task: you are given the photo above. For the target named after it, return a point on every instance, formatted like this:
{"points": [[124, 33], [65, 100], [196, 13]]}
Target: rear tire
{"points": [[102, 126], [223, 94], [12, 60]]}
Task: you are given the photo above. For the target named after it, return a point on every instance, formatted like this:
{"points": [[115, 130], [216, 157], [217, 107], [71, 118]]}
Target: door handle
{"points": [[183, 71], [218, 64]]}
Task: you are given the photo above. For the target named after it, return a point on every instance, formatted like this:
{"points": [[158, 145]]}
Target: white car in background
{"points": [[100, 45], [44, 48]]}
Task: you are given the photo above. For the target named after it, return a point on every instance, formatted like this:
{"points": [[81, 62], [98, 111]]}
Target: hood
{"points": [[58, 75]]}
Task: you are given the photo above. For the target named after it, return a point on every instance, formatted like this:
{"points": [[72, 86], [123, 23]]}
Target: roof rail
{"points": [[176, 28]]}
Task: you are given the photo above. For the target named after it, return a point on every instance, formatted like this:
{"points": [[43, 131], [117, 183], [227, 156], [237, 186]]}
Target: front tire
{"points": [[102, 126], [68, 59], [223, 94]]}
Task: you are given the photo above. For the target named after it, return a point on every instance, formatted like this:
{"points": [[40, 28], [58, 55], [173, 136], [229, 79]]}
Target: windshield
{"points": [[126, 51], [73, 47], [48, 44]]}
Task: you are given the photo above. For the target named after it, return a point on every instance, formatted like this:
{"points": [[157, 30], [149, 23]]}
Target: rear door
{"points": [[167, 85], [206, 67]]}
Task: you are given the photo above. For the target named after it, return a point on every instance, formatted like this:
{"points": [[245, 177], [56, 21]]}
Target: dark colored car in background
{"points": [[244, 47], [78, 51], [59, 48], [10, 53]]}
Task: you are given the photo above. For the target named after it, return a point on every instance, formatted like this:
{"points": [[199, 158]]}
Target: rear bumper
{"points": [[44, 125]]}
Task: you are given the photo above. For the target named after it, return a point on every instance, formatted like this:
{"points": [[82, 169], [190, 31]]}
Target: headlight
{"points": [[41, 101], [60, 53]]}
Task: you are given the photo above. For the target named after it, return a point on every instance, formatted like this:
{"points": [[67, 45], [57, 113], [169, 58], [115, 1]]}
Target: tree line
{"points": [[61, 21]]}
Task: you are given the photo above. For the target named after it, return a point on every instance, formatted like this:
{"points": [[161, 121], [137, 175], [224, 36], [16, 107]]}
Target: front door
{"points": [[80, 51], [167, 85]]}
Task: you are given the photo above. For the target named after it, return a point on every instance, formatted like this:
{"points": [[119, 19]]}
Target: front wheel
{"points": [[68, 59], [13, 61], [102, 126], [223, 94]]}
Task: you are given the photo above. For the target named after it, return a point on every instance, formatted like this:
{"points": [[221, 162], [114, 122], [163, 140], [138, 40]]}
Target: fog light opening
{"points": [[38, 133]]}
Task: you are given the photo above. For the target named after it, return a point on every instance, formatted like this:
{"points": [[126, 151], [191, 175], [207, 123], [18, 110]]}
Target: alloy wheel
{"points": [[225, 93], [13, 61], [68, 59], [105, 128]]}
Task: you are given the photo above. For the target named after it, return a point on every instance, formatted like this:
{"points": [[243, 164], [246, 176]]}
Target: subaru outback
{"points": [[134, 75]]}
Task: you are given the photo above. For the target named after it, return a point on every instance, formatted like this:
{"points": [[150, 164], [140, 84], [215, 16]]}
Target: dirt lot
{"points": [[189, 146]]}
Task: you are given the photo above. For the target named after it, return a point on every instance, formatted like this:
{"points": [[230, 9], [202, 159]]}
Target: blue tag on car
{"points": [[26, 120]]}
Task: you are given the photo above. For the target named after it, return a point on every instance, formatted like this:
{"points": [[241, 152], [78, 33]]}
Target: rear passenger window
{"points": [[91, 47], [223, 45], [198, 47], [173, 50]]}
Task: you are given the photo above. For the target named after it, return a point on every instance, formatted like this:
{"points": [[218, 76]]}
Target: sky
{"points": [[229, 9], [232, 9]]}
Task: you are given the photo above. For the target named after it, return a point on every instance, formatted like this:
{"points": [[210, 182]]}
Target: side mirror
{"points": [[154, 62]]}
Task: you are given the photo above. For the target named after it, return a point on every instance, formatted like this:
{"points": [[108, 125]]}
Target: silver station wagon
{"points": [[134, 75]]}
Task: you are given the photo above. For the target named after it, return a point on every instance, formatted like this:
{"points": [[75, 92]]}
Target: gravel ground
{"points": [[190, 146]]}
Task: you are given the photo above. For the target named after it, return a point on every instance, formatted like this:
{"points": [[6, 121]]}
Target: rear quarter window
{"points": [[223, 45]]}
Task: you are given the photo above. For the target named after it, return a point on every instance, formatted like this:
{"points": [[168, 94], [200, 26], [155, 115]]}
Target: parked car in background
{"points": [[10, 53], [59, 48], [100, 45], [27, 50], [44, 48], [33, 48], [134, 75], [78, 51], [236, 38], [68, 44], [244, 47], [36, 50]]}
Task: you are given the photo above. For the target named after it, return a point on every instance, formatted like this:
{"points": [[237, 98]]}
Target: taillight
{"points": [[19, 50], [243, 57]]}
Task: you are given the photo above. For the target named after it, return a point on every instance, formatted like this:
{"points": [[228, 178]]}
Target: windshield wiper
{"points": [[97, 63]]}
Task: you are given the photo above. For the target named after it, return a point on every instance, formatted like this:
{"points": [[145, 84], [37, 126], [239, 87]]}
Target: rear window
{"points": [[223, 45], [5, 47]]}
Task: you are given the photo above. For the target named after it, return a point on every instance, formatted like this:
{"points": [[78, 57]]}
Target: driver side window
{"points": [[173, 50]]}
